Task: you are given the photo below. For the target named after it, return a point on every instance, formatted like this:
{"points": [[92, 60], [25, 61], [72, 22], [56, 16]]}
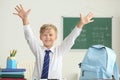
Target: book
{"points": [[12, 70], [13, 79], [11, 76], [11, 73]]}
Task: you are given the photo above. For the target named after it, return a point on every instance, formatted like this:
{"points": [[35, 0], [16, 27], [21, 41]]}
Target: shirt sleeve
{"points": [[68, 42], [31, 39]]}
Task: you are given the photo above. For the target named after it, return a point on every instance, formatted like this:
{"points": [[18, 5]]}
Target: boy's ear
{"points": [[40, 37], [56, 37]]}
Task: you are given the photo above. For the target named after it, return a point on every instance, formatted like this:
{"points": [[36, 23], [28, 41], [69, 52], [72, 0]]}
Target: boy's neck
{"points": [[48, 47]]}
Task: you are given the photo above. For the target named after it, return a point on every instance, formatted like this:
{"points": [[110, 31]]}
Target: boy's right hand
{"points": [[85, 20], [22, 14]]}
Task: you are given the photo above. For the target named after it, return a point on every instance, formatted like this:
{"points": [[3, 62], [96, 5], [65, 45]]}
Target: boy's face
{"points": [[48, 37]]}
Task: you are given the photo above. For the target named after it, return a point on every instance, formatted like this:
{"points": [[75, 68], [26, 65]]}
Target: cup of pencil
{"points": [[11, 61]]}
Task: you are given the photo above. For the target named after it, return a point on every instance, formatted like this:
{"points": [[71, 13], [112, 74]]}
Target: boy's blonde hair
{"points": [[47, 27]]}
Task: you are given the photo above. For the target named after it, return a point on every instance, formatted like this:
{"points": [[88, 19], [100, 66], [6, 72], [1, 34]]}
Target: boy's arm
{"points": [[70, 39], [31, 39]]}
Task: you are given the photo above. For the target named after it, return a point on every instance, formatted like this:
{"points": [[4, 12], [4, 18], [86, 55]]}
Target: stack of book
{"points": [[12, 74]]}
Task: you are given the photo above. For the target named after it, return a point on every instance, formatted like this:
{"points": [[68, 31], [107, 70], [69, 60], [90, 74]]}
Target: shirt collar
{"points": [[52, 49]]}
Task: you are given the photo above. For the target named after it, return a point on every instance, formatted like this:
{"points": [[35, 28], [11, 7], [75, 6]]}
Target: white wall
{"points": [[50, 11]]}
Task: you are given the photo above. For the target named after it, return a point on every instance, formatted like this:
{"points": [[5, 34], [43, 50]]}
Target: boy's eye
{"points": [[44, 35], [50, 35]]}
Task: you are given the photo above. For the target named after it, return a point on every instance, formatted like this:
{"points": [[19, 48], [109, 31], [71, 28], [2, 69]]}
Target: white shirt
{"points": [[56, 56]]}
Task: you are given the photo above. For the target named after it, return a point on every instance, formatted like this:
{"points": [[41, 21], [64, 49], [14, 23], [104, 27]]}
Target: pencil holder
{"points": [[11, 62]]}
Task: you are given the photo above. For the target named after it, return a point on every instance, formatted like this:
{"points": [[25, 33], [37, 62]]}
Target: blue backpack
{"points": [[99, 63]]}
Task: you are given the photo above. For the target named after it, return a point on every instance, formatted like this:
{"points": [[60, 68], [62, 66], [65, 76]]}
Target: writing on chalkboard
{"points": [[97, 32]]}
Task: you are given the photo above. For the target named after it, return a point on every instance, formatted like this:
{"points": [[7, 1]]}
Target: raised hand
{"points": [[85, 20], [22, 13]]}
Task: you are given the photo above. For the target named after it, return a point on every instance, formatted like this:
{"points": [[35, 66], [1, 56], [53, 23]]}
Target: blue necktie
{"points": [[46, 65]]}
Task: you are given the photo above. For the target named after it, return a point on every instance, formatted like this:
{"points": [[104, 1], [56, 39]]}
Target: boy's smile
{"points": [[48, 37]]}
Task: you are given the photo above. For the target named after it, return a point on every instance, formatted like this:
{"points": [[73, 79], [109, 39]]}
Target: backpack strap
{"points": [[112, 59], [116, 71]]}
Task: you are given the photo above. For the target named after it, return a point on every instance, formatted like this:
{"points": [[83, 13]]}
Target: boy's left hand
{"points": [[85, 20]]}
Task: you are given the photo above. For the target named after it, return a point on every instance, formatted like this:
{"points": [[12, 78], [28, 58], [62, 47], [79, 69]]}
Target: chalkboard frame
{"points": [[100, 21]]}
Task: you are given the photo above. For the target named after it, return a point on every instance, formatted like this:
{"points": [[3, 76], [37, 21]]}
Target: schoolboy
{"points": [[48, 35]]}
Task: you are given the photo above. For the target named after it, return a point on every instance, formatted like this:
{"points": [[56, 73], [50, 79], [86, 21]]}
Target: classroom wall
{"points": [[51, 11]]}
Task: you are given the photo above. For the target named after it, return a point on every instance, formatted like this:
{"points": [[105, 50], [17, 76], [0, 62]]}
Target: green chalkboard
{"points": [[97, 32]]}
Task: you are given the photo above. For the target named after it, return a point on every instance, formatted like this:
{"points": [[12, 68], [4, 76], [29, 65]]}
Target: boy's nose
{"points": [[47, 37]]}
